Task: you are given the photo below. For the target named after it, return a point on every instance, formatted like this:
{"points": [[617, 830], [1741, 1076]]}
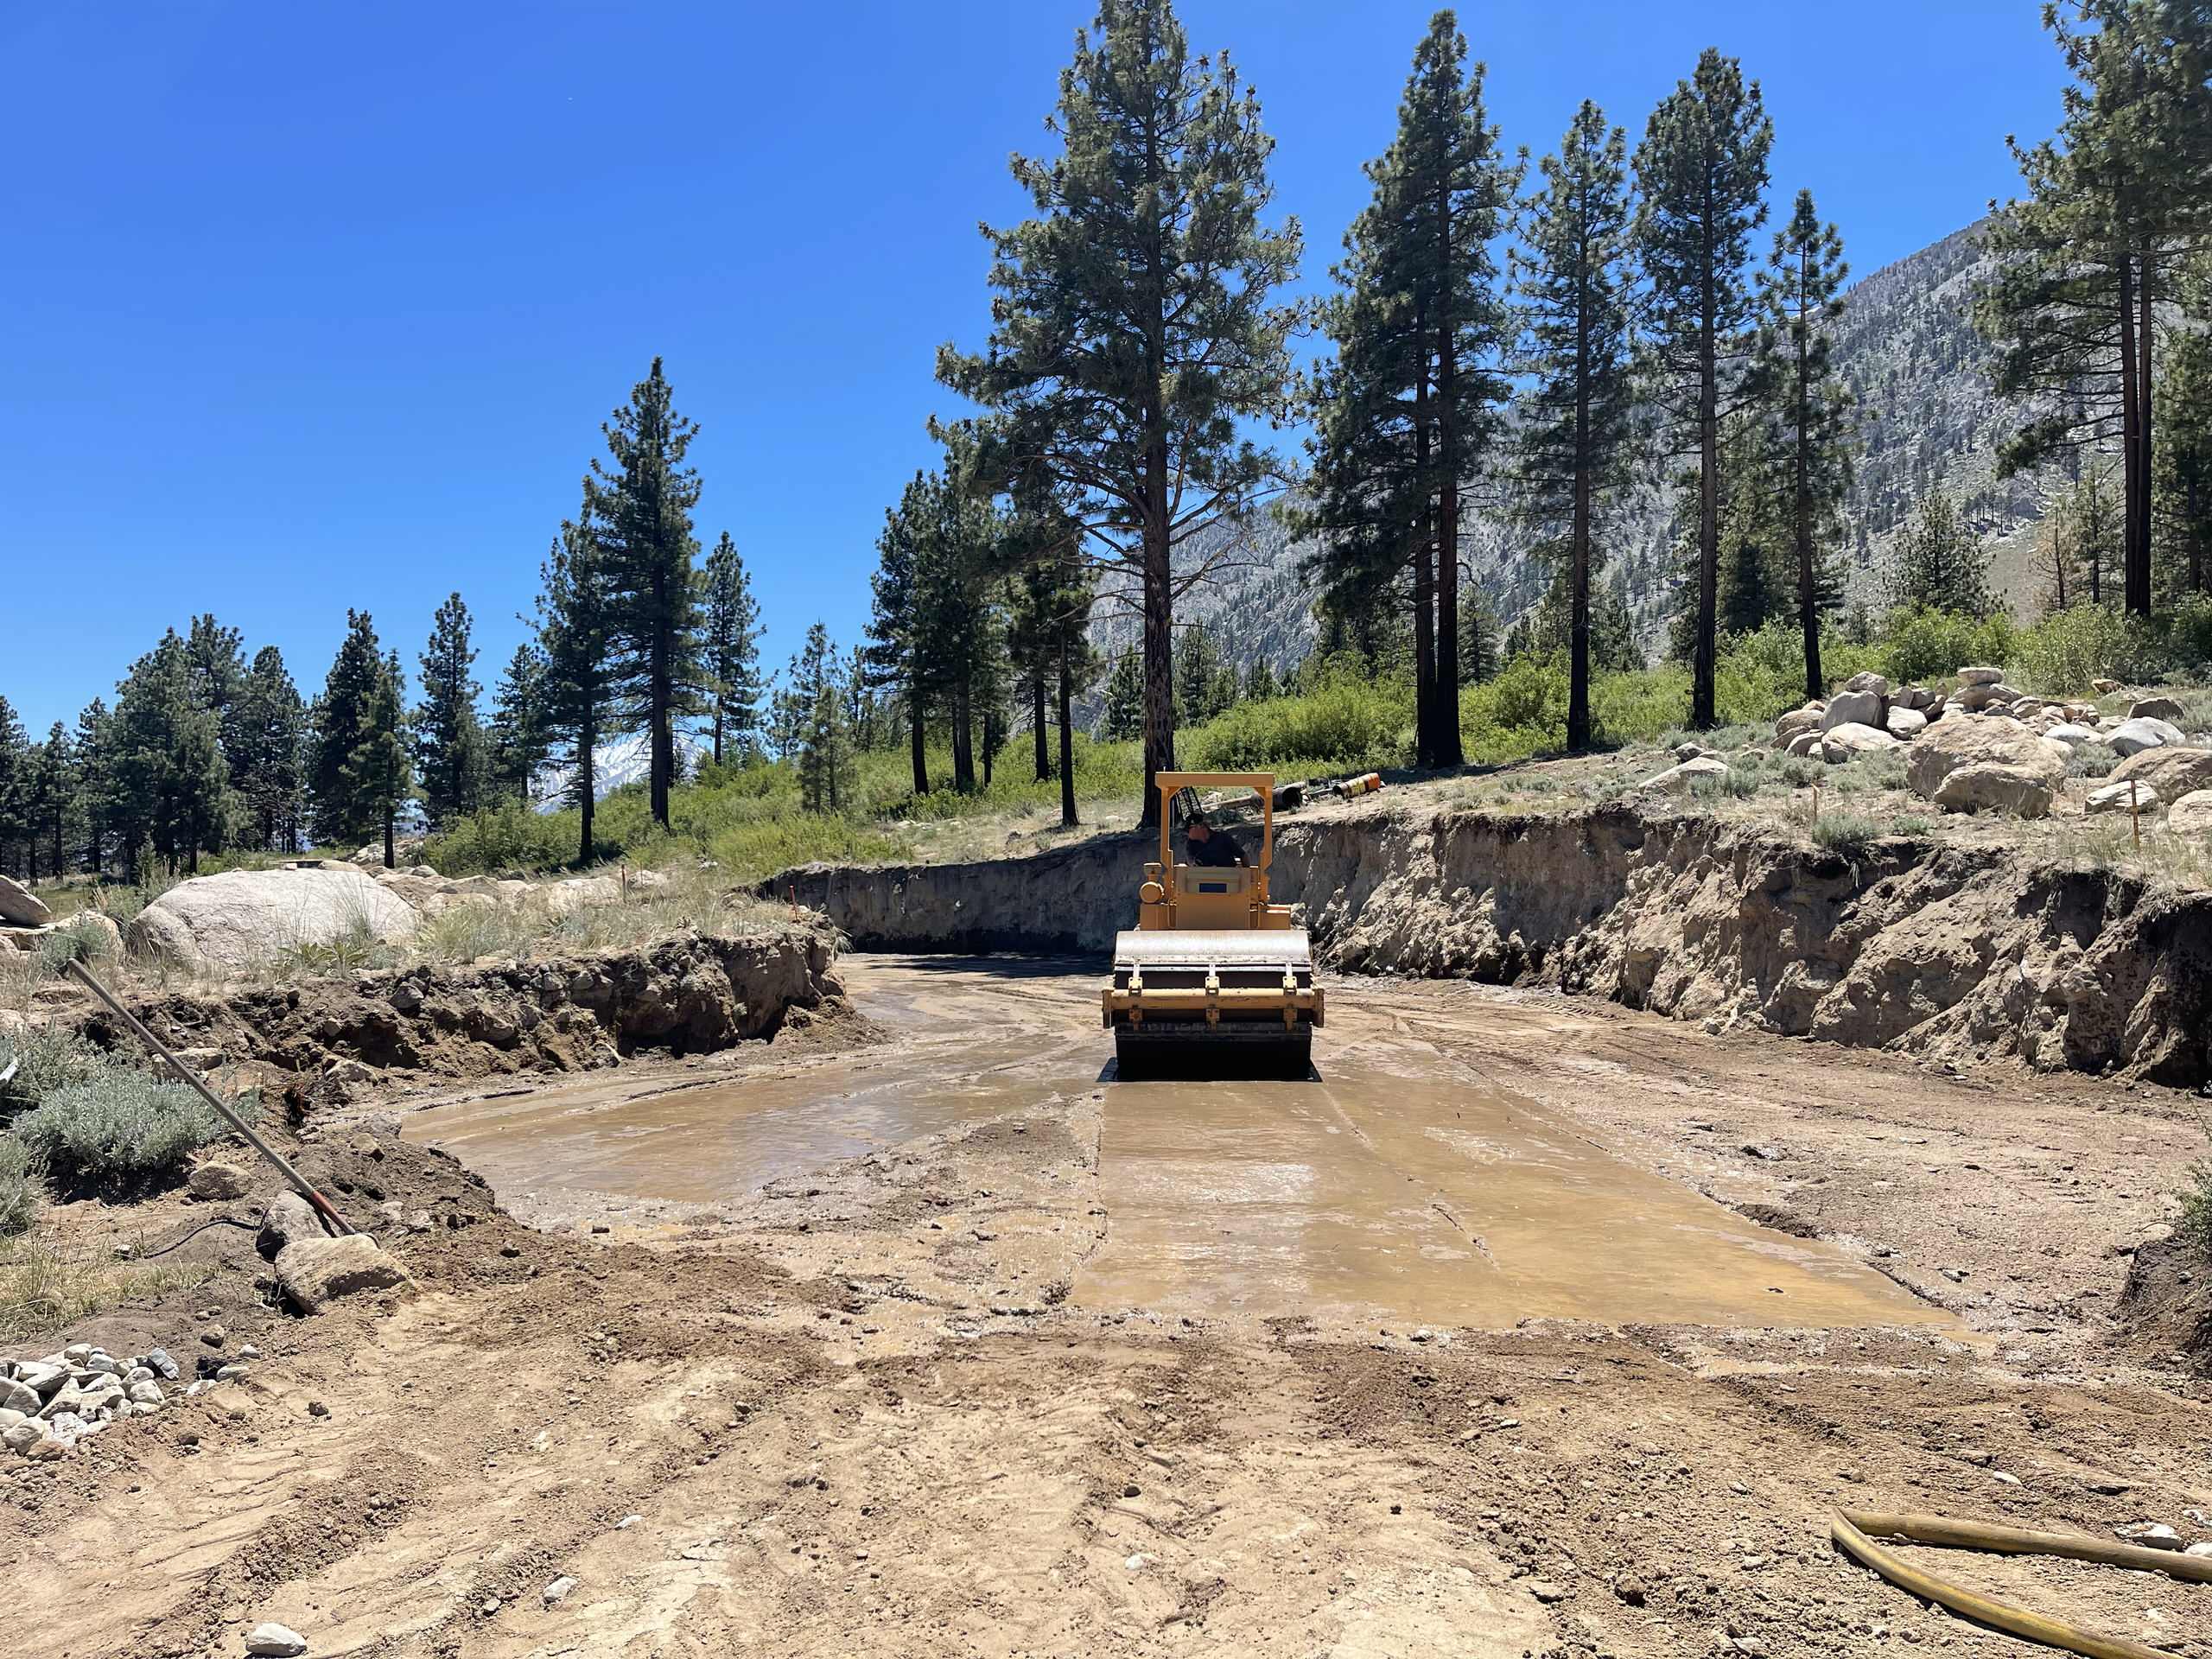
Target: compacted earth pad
{"points": [[944, 1344]]}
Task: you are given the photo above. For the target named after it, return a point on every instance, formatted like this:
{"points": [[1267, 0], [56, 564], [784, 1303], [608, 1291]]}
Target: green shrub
{"points": [[505, 836], [22, 1186], [1924, 645], [1912, 823], [121, 1129], [78, 940], [1848, 833], [46, 1057], [2062, 654], [1727, 785], [1342, 724]]}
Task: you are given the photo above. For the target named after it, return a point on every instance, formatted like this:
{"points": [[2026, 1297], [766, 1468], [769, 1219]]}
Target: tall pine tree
{"points": [[1580, 409], [640, 502], [1136, 323], [578, 686], [517, 732], [270, 738], [376, 769], [730, 648], [1701, 174], [1801, 300], [451, 755], [2116, 202]]}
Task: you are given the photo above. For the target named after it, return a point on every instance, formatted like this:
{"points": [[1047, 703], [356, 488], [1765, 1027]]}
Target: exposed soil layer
{"points": [[1958, 954], [868, 1407], [686, 996]]}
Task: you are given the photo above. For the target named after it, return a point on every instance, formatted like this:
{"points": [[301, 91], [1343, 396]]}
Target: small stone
{"points": [[216, 1181], [1545, 1591], [627, 1521], [247, 1350], [1999, 1475], [273, 1641], [2149, 1535], [2202, 1551], [558, 1592], [214, 1336], [23, 1436], [46, 1448], [316, 1408], [145, 1393], [161, 1365]]}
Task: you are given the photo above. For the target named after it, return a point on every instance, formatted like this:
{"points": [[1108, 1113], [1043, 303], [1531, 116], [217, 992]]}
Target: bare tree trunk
{"points": [[1808, 602], [963, 741], [1066, 696], [1708, 517], [1445, 739], [2139, 507], [1577, 632], [587, 784], [916, 706], [1158, 633], [2134, 484], [1424, 590], [1037, 723]]}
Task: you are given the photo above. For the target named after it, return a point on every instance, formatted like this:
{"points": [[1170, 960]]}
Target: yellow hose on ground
{"points": [[1855, 1530]]}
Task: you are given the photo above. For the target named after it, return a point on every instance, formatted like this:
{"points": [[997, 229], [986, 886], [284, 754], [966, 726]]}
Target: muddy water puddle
{"points": [[1429, 1200], [719, 1142], [1396, 1186]]}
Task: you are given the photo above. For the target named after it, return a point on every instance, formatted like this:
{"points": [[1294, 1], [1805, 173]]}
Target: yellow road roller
{"points": [[1213, 978]]}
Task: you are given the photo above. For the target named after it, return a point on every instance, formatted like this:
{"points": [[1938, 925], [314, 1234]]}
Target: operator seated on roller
{"points": [[1207, 848]]}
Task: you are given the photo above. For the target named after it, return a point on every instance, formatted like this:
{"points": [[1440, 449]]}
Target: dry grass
{"points": [[43, 1288]]}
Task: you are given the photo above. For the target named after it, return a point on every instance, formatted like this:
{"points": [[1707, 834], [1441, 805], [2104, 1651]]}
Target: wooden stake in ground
{"points": [[2135, 813]]}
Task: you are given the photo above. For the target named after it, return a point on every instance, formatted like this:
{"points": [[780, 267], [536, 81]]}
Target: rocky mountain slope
{"points": [[1930, 418]]}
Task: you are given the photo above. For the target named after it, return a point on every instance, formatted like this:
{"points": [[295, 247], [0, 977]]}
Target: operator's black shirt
{"points": [[1217, 851]]}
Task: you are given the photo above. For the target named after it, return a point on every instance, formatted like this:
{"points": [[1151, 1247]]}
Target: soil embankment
{"points": [[690, 995], [1952, 953]]}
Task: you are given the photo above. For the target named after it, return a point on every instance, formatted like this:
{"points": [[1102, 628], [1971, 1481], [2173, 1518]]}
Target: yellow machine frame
{"points": [[1183, 898]]}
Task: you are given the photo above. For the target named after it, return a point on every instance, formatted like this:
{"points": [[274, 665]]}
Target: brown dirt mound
{"points": [[2167, 1306]]}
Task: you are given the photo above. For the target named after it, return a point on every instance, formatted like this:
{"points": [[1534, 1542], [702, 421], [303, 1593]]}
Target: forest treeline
{"points": [[1519, 338]]}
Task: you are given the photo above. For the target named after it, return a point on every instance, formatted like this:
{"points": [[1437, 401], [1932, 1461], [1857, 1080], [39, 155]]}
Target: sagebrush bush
{"points": [[79, 939], [120, 1129], [22, 1186], [1848, 833], [46, 1057]]}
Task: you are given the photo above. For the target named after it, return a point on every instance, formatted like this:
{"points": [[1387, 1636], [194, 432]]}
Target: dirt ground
{"points": [[1531, 1326]]}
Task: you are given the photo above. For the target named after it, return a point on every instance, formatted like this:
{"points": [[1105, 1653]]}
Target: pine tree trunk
{"points": [[916, 707], [1066, 696], [718, 729], [1809, 612], [1445, 739], [390, 862], [2131, 424], [1708, 511], [1424, 588], [1578, 631], [1037, 723], [1159, 635], [963, 741], [2139, 507], [587, 782]]}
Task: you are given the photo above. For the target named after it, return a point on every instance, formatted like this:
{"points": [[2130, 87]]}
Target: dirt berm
{"points": [[1953, 953], [686, 995]]}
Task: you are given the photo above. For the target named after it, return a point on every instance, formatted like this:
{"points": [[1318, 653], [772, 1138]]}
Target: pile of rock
{"points": [[2012, 755], [47, 1405]]}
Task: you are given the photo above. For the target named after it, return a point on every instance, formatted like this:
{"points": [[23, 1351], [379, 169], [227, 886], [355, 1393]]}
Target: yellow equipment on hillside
{"points": [[1212, 974]]}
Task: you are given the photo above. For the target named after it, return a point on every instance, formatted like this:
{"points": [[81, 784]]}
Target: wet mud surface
{"points": [[1531, 1326]]}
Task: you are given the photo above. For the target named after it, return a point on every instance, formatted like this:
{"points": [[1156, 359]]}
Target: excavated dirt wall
{"points": [[1954, 953], [686, 996]]}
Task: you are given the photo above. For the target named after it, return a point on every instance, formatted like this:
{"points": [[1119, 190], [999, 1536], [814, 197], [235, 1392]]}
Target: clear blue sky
{"points": [[306, 306]]}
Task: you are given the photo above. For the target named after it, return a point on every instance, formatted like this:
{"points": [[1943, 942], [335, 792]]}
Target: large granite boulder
{"points": [[1969, 765], [1853, 708], [1906, 722], [2192, 814], [1851, 739], [2142, 732], [2173, 771], [2155, 708], [21, 907], [242, 917]]}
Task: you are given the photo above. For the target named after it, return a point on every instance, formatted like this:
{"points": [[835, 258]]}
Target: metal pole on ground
{"points": [[322, 1206]]}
